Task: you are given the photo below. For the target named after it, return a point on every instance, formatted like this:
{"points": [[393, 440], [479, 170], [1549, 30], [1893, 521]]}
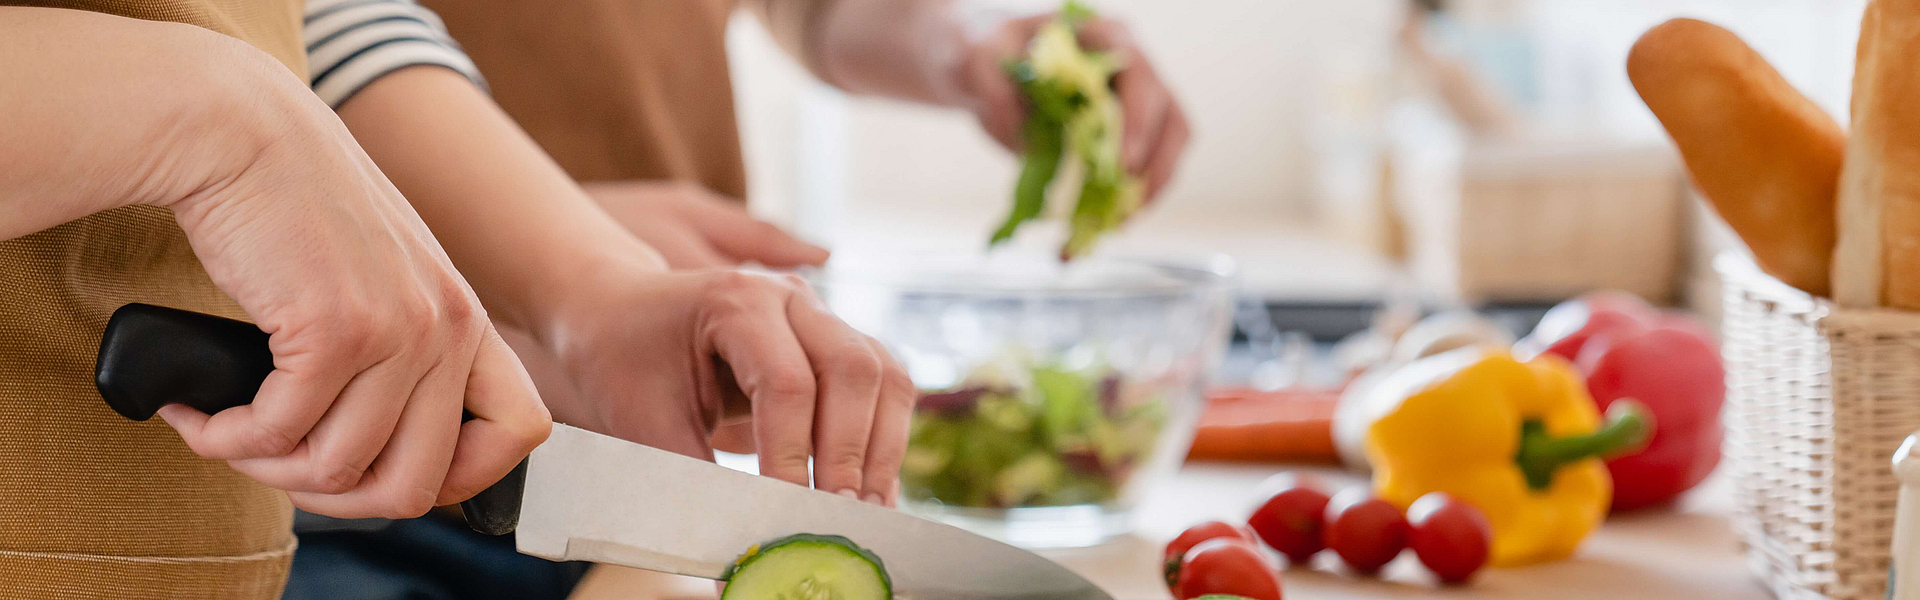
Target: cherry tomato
{"points": [[1227, 566], [1291, 520], [1365, 531], [1210, 530], [1451, 537]]}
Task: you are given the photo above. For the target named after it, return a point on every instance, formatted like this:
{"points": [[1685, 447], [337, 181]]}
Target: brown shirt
{"points": [[93, 505], [621, 89]]}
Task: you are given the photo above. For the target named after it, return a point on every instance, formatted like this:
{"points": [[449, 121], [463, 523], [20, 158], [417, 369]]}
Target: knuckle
{"points": [[268, 440], [420, 319], [531, 432], [737, 283], [789, 280], [796, 454], [352, 336], [461, 312], [407, 502], [787, 387], [884, 466], [417, 311], [734, 293], [335, 477], [857, 363], [899, 391], [846, 456]]}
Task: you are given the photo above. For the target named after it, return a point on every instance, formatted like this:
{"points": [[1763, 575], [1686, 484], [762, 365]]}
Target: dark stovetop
{"points": [[1328, 322]]}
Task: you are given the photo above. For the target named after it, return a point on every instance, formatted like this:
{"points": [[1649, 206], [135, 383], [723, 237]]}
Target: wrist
{"points": [[232, 135], [576, 288], [972, 23]]}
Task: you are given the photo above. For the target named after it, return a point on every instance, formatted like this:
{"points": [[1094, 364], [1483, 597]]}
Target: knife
{"points": [[591, 497]]}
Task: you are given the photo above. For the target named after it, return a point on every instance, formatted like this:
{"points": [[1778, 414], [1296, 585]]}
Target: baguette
{"points": [[1767, 158], [1878, 257]]}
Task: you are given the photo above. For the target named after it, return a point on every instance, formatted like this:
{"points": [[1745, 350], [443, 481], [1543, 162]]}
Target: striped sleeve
{"points": [[352, 43]]}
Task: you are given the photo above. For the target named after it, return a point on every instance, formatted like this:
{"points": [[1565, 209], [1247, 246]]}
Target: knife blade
{"points": [[591, 497], [597, 498]]}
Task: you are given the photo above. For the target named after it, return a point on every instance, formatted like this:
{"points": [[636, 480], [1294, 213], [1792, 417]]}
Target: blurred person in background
{"points": [[633, 98], [179, 157], [1481, 76]]}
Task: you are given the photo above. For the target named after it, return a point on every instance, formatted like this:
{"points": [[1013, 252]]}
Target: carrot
{"points": [[1257, 426]]}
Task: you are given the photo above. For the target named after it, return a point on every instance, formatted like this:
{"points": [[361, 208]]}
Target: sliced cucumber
{"points": [[808, 567]]}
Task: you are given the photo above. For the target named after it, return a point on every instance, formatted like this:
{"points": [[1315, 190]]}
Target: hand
{"points": [[695, 228], [663, 359], [1155, 128], [378, 342]]}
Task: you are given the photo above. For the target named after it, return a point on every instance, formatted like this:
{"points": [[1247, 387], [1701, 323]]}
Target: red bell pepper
{"points": [[1628, 349]]}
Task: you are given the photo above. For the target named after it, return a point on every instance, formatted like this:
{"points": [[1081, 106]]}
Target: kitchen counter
{"points": [[1687, 552]]}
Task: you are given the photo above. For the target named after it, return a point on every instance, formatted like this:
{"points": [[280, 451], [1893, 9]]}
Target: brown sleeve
{"points": [[796, 24]]}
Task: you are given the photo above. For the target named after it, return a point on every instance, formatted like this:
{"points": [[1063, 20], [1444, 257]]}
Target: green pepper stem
{"points": [[1627, 428]]}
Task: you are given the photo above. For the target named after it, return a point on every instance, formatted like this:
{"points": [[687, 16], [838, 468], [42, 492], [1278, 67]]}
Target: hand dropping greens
{"points": [[1075, 114], [1042, 437]]}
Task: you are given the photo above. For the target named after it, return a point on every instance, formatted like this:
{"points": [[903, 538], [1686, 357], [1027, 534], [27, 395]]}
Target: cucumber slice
{"points": [[808, 567]]}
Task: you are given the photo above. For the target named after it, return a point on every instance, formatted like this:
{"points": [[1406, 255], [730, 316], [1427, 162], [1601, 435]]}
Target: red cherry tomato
{"points": [[1193, 536], [1291, 520], [1365, 531], [1451, 537], [1227, 566]]}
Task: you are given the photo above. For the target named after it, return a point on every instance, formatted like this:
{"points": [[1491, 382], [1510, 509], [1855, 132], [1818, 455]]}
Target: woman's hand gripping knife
{"points": [[378, 342], [1765, 156], [656, 357]]}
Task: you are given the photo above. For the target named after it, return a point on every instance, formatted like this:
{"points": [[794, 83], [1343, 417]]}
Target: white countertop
{"points": [[1685, 552]]}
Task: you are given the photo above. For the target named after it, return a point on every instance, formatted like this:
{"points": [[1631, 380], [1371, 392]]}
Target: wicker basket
{"points": [[1819, 398]]}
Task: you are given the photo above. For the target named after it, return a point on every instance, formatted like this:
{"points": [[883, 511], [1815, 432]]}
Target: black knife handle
{"points": [[152, 356]]}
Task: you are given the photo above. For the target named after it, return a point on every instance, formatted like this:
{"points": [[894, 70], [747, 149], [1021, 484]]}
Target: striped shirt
{"points": [[352, 43]]}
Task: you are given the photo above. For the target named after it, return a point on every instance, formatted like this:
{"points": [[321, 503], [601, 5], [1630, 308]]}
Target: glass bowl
{"points": [[1052, 395]]}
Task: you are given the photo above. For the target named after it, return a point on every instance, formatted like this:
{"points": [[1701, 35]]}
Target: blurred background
{"points": [[1326, 159]]}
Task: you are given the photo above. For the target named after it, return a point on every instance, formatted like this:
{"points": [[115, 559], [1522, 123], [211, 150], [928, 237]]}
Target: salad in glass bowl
{"points": [[1039, 436], [1051, 394]]}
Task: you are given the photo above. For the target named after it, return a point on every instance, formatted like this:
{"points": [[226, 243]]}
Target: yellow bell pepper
{"points": [[1522, 442]]}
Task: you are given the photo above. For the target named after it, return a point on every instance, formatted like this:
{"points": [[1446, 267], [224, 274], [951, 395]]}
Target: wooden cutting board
{"points": [[1686, 552]]}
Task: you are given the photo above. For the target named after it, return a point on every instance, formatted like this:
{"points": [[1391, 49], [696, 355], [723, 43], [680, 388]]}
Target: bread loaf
{"points": [[1878, 259], [1765, 156]]}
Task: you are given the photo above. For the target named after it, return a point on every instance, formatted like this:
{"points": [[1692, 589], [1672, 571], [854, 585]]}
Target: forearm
{"points": [[1475, 102], [906, 49], [513, 222], [99, 112]]}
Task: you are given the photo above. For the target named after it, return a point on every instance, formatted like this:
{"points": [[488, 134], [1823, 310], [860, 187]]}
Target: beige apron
{"points": [[92, 505], [620, 89]]}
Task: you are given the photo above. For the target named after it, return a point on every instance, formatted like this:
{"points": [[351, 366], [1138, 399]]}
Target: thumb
{"points": [[509, 421], [997, 100], [737, 234]]}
